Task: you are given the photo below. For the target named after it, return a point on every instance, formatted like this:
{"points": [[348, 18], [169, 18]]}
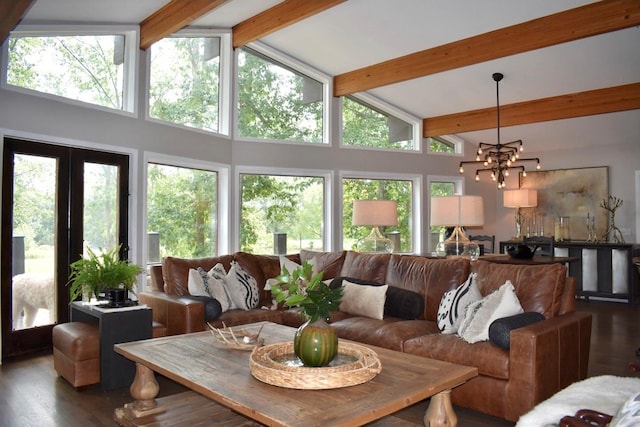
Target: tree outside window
{"points": [[182, 210], [291, 207], [184, 82], [87, 68], [276, 102]]}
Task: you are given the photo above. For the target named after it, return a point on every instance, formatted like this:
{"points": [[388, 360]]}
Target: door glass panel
{"points": [[34, 219], [100, 212]]}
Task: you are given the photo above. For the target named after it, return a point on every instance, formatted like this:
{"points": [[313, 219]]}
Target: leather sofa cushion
{"points": [[330, 263], [538, 287], [366, 266], [490, 359], [429, 277], [389, 333]]}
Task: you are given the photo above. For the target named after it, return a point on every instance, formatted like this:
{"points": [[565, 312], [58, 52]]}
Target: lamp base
{"points": [[458, 245], [375, 242]]}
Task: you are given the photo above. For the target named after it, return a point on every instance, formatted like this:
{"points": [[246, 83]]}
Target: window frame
{"points": [[457, 142], [130, 104], [416, 200], [225, 80], [281, 59], [327, 175], [222, 210], [384, 108]]}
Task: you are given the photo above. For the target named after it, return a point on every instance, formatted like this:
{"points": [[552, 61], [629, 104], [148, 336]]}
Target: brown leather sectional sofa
{"points": [[543, 357]]}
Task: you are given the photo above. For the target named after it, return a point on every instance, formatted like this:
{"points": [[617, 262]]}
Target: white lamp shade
{"points": [[451, 211], [522, 198], [375, 212]]}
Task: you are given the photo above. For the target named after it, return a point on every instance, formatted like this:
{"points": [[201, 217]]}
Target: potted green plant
{"points": [[315, 342], [103, 272]]}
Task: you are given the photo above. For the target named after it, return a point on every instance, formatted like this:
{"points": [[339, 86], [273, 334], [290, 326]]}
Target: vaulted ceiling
{"points": [[572, 68]]}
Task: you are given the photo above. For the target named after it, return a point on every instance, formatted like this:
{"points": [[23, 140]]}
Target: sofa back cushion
{"points": [[175, 271], [538, 287], [261, 268], [429, 277], [330, 263], [367, 266]]}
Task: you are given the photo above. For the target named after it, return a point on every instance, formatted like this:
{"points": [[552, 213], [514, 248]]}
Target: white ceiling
{"points": [[358, 33]]}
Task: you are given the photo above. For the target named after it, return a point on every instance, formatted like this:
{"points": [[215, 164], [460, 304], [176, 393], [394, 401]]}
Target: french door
{"points": [[56, 202]]}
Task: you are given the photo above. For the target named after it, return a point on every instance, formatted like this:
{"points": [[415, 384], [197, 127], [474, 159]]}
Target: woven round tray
{"points": [[275, 364]]}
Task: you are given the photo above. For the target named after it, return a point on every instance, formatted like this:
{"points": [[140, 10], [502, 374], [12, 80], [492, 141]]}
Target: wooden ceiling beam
{"points": [[279, 16], [11, 12], [599, 101], [172, 17], [586, 21]]}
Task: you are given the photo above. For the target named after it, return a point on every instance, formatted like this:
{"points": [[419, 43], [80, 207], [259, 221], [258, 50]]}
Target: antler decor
{"points": [[611, 205]]}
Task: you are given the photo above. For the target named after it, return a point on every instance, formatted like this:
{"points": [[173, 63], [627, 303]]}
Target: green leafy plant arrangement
{"points": [[99, 272], [301, 288]]}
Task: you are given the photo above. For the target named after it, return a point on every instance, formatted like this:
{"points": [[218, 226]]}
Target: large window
{"points": [[402, 191], [367, 125], [185, 82], [96, 68], [281, 214], [276, 102], [182, 212]]}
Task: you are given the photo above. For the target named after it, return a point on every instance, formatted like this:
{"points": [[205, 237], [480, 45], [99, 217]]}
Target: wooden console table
{"points": [[604, 270]]}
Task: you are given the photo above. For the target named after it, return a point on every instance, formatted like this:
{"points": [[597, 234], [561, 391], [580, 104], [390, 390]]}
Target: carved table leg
{"points": [[440, 412], [144, 390]]}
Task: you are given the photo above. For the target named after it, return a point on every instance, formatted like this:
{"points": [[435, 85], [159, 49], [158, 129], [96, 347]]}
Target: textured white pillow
{"points": [[242, 287], [478, 316], [202, 283], [363, 300], [453, 304], [220, 274]]}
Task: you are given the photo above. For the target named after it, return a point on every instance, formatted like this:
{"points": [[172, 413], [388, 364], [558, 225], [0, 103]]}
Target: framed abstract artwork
{"points": [[573, 193]]}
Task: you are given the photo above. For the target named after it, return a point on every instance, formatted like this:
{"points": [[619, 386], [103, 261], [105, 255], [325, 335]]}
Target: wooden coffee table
{"points": [[224, 376]]}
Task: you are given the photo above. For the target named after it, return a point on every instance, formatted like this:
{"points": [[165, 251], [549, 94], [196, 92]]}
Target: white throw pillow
{"points": [[363, 300], [203, 283], [454, 303], [242, 287], [478, 316], [219, 273]]}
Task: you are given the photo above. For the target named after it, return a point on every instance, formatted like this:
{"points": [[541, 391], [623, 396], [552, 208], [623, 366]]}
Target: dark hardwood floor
{"points": [[32, 395]]}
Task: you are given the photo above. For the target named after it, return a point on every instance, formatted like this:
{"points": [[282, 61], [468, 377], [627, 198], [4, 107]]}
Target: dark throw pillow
{"points": [[500, 329], [401, 303], [212, 307]]}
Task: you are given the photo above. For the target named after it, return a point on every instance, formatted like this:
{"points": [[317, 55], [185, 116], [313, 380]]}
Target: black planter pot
{"points": [[117, 297]]}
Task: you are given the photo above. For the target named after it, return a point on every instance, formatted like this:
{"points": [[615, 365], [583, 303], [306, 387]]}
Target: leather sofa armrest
{"points": [[547, 356], [180, 315]]}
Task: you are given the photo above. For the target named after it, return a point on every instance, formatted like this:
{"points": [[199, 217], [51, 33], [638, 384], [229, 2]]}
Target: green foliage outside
{"points": [[76, 67], [181, 207]]}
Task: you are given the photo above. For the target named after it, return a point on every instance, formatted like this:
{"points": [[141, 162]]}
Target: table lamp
{"points": [[457, 211], [375, 213], [521, 198]]}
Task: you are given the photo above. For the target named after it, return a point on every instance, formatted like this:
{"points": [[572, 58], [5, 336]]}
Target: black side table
{"points": [[117, 325]]}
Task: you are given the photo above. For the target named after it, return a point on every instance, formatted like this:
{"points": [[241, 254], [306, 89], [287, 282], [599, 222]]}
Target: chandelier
{"points": [[499, 159]]}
